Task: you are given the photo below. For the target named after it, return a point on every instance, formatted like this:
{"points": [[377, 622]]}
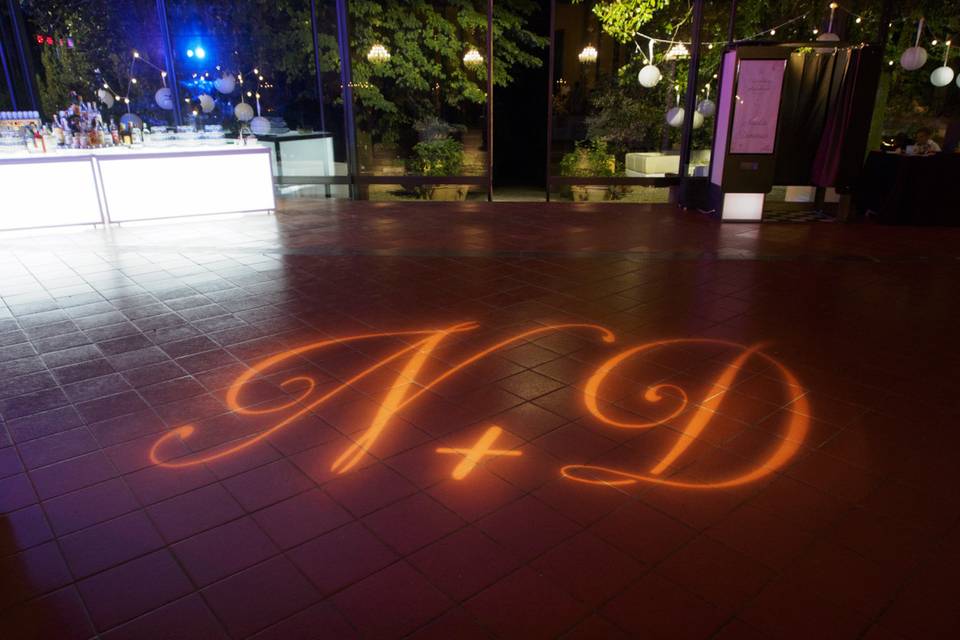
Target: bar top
{"points": [[122, 152]]}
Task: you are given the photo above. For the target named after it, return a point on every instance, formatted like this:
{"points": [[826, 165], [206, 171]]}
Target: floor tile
{"points": [[816, 498]]}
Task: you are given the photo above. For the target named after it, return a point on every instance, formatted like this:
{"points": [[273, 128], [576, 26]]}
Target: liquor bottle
{"points": [[114, 133], [50, 141], [126, 135]]}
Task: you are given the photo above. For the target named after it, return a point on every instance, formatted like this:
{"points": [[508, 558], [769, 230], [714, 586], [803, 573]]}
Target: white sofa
{"points": [[649, 164]]}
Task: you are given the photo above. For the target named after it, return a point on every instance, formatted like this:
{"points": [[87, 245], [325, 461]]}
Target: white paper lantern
{"points": [[941, 76], [206, 102], [675, 117], [649, 76], [164, 98], [707, 107], [913, 58], [958, 81], [225, 84], [260, 126], [244, 112], [131, 120], [105, 97], [697, 119]]}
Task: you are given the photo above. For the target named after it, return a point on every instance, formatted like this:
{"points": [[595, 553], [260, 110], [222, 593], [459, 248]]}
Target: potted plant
{"points": [[439, 156], [589, 159]]}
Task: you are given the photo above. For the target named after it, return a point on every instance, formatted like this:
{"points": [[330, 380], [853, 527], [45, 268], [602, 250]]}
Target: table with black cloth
{"points": [[902, 189]]}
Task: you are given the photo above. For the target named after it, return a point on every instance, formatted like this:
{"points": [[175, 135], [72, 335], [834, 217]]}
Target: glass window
{"points": [[87, 50], [248, 68], [420, 95], [617, 99]]}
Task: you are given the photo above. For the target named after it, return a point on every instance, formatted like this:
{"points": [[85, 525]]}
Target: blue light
{"points": [[200, 53], [189, 53]]}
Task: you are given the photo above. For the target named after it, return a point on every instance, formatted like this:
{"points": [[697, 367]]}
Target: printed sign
{"points": [[757, 106]]}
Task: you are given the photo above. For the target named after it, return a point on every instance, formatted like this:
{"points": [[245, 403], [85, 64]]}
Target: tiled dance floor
{"points": [[516, 421]]}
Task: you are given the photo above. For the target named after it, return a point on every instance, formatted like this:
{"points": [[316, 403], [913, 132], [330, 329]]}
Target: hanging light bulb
{"points": [[472, 58], [588, 55], [858, 20], [378, 54]]}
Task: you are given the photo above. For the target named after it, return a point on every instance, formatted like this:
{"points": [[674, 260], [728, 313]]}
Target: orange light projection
{"points": [[405, 390], [418, 348], [477, 452], [797, 426]]}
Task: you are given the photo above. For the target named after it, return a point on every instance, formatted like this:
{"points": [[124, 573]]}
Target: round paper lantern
{"points": [[243, 111], [649, 76], [913, 58], [675, 117], [260, 126], [707, 107], [225, 83], [958, 81], [131, 120], [164, 98], [105, 97], [697, 119], [206, 102], [941, 76]]}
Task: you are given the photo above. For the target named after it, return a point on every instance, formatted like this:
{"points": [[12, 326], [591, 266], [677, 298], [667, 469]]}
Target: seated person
{"points": [[923, 146]]}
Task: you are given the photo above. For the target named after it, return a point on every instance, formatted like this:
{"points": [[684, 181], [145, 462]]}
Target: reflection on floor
{"points": [[471, 421]]}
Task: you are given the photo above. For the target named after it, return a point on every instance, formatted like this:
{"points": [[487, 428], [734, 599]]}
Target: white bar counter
{"points": [[121, 184]]}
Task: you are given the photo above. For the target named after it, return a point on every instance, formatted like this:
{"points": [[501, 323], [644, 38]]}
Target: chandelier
{"points": [[378, 54], [588, 55], [677, 51], [472, 58]]}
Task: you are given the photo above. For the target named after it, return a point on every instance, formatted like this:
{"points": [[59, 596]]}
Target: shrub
{"points": [[438, 157]]}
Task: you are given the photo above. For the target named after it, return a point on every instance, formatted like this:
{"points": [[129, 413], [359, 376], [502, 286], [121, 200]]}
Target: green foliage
{"points": [[627, 116], [425, 74], [589, 159], [623, 18], [438, 157], [912, 100], [104, 44]]}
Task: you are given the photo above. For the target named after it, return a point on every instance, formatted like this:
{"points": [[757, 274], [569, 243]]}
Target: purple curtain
{"points": [[840, 154]]}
